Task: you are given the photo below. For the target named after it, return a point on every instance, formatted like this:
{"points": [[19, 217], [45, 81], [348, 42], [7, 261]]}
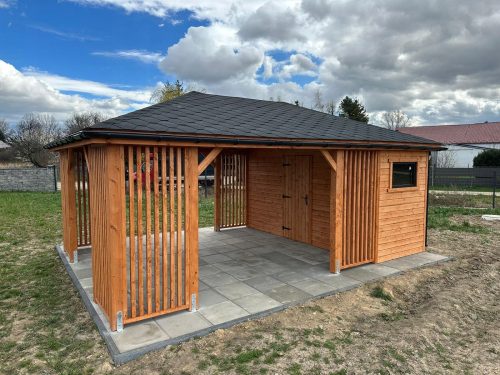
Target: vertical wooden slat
{"points": [[147, 157], [140, 232], [171, 183], [164, 222], [191, 227], [217, 193], [156, 229], [132, 240], [81, 239], [86, 203], [179, 224], [337, 212]]}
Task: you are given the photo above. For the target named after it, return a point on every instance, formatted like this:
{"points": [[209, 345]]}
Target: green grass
{"points": [[462, 188], [379, 292], [439, 218]]}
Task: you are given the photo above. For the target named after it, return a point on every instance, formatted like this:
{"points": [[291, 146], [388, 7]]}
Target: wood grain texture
{"points": [[401, 222]]}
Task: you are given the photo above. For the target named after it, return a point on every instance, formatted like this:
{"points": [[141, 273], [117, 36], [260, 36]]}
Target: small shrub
{"points": [[379, 292]]}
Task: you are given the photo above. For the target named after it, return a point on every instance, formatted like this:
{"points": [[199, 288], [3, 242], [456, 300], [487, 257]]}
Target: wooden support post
{"points": [[116, 232], [217, 193], [68, 200], [191, 226], [336, 212]]}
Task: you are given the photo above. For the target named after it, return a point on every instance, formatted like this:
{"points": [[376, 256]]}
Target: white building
{"points": [[464, 141]]}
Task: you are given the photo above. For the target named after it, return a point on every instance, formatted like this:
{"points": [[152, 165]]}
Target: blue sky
{"points": [[437, 64]]}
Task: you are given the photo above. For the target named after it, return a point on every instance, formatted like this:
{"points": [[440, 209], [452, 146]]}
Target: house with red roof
{"points": [[463, 141]]}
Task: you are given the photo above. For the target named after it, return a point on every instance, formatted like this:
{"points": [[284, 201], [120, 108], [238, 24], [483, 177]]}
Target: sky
{"points": [[438, 61]]}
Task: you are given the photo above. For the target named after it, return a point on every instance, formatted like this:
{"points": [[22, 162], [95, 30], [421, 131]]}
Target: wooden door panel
{"points": [[297, 198]]}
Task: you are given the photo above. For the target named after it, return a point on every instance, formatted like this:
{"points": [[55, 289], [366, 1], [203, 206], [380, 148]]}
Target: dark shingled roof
{"points": [[200, 115]]}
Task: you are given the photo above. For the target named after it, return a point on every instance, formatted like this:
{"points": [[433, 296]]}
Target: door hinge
{"points": [[286, 228], [286, 196]]}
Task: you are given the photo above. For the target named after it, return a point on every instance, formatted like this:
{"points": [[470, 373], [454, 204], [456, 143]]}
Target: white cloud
{"points": [[139, 55], [211, 54], [4, 4], [434, 61], [33, 91]]}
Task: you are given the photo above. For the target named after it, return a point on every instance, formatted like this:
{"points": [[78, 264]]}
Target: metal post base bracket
{"points": [[337, 266], [193, 303], [119, 321]]}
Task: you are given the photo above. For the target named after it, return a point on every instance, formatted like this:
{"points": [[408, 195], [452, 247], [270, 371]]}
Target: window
{"points": [[404, 175]]}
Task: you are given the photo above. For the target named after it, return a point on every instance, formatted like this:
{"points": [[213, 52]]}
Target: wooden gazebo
{"points": [[130, 191]]}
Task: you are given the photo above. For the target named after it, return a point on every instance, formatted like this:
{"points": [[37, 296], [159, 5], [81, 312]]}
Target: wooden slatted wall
{"points": [[156, 203], [68, 201], [82, 199], [232, 192], [360, 208]]}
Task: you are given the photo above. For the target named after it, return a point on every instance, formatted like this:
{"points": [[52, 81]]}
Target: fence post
{"points": [[494, 186]]}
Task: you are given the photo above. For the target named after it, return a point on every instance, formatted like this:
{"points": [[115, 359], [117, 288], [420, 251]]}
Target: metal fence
{"points": [[479, 180]]}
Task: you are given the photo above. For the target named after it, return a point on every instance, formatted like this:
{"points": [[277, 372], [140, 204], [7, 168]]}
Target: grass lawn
{"points": [[438, 319]]}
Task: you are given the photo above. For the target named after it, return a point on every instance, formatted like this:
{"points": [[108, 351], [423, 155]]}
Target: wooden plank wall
{"points": [[82, 198], [159, 268], [402, 216], [232, 190], [360, 187], [265, 193]]}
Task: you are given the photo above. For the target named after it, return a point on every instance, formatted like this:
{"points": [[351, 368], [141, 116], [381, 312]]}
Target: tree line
{"points": [[29, 135]]}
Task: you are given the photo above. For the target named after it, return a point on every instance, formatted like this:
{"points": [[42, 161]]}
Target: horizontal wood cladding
{"points": [[402, 212], [265, 193]]}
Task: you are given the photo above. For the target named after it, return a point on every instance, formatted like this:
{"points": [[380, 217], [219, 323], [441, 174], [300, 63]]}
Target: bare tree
{"points": [[318, 104], [31, 134], [446, 159], [396, 120], [4, 130], [330, 107], [79, 121]]}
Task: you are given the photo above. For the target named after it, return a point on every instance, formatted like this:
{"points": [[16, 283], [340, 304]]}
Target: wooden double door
{"points": [[297, 197]]}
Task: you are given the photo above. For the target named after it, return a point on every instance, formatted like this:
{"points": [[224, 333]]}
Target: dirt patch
{"points": [[441, 319]]}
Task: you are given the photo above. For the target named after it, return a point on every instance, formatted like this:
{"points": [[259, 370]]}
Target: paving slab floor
{"points": [[244, 274]]}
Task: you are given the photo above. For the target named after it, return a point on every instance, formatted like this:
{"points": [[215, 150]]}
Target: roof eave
{"points": [[89, 134]]}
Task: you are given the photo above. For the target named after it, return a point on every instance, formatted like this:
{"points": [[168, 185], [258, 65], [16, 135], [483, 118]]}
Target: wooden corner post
{"points": [[191, 225], [68, 201], [116, 233], [337, 212]]}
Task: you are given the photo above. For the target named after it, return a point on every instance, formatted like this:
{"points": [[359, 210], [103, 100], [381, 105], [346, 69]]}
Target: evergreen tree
{"points": [[353, 109]]}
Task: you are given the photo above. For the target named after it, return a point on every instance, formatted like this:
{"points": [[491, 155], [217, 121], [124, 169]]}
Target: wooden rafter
{"points": [[329, 159], [209, 159]]}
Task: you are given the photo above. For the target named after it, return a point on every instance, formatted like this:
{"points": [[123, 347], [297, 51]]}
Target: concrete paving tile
{"points": [[257, 302], [216, 258], [219, 279], [182, 323], [202, 286], [138, 335], [287, 294], [263, 283], [244, 273], [207, 270], [433, 257], [313, 287], [83, 273], [86, 283], [381, 269], [223, 312], [210, 297], [236, 290], [401, 264], [361, 274], [338, 281], [289, 276]]}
